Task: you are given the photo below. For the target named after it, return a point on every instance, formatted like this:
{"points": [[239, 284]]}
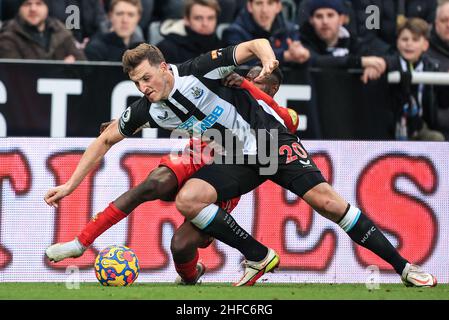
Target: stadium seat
{"points": [[154, 33], [289, 10], [221, 27]]}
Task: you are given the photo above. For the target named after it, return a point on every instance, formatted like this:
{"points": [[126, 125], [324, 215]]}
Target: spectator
{"points": [[439, 50], [124, 16], [174, 9], [383, 40], [331, 45], [195, 34], [415, 106], [264, 19], [348, 14], [35, 35], [439, 39], [146, 16], [92, 17]]}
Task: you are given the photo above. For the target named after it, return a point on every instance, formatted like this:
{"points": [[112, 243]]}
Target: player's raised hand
{"points": [[55, 194], [268, 67]]}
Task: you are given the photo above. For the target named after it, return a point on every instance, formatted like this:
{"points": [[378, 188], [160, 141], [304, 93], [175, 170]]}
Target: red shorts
{"points": [[189, 162]]}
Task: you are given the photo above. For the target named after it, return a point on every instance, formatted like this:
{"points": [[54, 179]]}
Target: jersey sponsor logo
{"points": [[193, 125], [197, 92]]}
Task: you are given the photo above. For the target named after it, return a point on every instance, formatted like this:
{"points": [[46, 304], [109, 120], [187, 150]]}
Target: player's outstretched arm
{"points": [[91, 157], [258, 48]]}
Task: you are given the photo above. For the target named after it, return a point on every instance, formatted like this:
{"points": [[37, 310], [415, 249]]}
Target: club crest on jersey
{"points": [[197, 92]]}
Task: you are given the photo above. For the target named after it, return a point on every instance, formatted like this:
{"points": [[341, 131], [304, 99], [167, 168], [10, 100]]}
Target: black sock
{"points": [[367, 234], [224, 228]]}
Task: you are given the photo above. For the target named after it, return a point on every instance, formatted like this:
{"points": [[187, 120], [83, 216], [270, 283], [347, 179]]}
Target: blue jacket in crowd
{"points": [[245, 28]]}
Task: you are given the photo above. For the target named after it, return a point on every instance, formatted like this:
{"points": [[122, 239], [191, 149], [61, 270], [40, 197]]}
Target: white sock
{"points": [[350, 219], [205, 216]]}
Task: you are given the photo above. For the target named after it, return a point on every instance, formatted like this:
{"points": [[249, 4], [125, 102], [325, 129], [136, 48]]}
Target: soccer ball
{"points": [[116, 266]]}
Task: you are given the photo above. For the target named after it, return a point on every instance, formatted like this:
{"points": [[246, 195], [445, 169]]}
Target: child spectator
{"points": [[391, 13], [415, 106]]}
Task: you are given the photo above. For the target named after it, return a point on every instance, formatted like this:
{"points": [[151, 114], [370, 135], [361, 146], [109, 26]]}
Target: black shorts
{"points": [[296, 172]]}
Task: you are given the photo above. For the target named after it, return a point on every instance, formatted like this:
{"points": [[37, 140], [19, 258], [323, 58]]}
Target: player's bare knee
{"points": [[329, 205], [186, 204]]}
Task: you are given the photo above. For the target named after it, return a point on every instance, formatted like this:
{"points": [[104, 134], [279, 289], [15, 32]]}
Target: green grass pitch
{"points": [[221, 291]]}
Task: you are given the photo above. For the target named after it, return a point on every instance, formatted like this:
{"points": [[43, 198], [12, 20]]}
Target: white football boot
{"points": [[414, 276], [254, 270], [63, 250], [201, 269]]}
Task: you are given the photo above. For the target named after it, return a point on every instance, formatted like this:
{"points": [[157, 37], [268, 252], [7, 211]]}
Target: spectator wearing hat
{"points": [[330, 43], [124, 16], [264, 19], [32, 34], [350, 21]]}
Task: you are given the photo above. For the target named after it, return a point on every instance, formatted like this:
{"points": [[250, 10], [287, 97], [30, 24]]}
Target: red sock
{"points": [[99, 224], [187, 270]]}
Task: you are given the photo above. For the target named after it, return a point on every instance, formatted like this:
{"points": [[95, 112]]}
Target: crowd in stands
{"points": [[407, 35]]}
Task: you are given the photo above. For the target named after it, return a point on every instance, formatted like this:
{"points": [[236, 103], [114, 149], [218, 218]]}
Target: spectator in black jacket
{"points": [[331, 45], [124, 16], [439, 50], [264, 19], [382, 40], [192, 36], [348, 13], [439, 39], [415, 106], [92, 17]]}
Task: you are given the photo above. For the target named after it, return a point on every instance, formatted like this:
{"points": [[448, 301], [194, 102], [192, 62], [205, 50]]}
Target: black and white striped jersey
{"points": [[199, 102]]}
